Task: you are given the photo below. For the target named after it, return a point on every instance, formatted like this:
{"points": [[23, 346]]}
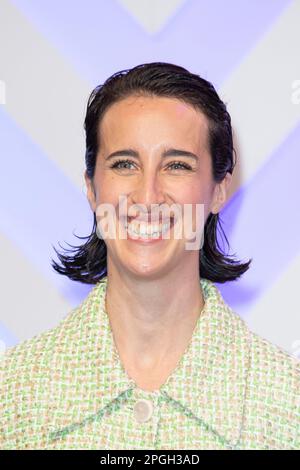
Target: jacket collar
{"points": [[215, 362]]}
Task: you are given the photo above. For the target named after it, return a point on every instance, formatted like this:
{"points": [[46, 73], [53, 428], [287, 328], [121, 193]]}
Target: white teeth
{"points": [[145, 230]]}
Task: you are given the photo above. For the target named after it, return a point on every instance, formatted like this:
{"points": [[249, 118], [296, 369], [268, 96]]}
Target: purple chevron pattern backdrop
{"points": [[52, 53]]}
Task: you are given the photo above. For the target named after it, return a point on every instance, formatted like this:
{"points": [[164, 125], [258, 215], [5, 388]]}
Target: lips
{"points": [[147, 219], [148, 239]]}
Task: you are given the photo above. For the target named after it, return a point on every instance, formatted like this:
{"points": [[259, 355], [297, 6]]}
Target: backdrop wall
{"points": [[54, 52]]}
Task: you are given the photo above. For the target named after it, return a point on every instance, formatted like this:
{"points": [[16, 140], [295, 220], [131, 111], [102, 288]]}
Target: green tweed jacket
{"points": [[67, 389]]}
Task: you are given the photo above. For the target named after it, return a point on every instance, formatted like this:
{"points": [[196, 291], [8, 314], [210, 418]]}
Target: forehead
{"points": [[153, 121]]}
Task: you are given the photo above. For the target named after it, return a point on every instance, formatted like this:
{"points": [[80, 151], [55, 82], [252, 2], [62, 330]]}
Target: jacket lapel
{"points": [[87, 375], [215, 367]]}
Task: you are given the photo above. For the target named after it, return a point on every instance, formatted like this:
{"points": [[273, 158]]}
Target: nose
{"points": [[149, 190]]}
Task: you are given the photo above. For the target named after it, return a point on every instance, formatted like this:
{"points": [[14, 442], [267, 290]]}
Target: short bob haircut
{"points": [[88, 262]]}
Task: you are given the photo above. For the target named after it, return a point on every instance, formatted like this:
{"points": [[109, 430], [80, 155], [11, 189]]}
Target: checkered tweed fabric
{"points": [[66, 388]]}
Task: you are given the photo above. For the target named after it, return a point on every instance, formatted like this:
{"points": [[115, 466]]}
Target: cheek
{"points": [[191, 193], [109, 192], [197, 197], [106, 189]]}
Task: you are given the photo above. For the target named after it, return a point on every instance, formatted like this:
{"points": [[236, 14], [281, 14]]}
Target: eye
{"points": [[184, 166], [117, 164], [120, 164]]}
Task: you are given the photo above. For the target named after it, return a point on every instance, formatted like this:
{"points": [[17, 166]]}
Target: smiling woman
{"points": [[153, 358], [154, 106]]}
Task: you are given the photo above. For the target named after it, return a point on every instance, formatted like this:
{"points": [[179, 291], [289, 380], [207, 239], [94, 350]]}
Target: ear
{"points": [[221, 192], [91, 195]]}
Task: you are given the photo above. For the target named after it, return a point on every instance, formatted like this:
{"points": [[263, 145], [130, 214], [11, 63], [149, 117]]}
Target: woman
{"points": [[153, 358]]}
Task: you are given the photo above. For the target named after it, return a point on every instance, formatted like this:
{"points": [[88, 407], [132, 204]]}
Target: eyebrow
{"points": [[166, 153]]}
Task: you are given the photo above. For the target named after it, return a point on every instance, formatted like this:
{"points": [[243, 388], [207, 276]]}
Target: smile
{"points": [[146, 231]]}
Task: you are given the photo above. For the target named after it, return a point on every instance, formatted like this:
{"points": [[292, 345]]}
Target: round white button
{"points": [[143, 410]]}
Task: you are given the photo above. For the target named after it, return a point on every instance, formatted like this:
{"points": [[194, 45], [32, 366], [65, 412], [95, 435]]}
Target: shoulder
{"points": [[271, 378], [272, 365], [271, 369], [272, 394], [26, 372], [36, 351], [37, 375]]}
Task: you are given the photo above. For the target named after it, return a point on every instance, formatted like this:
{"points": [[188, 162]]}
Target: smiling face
{"points": [[149, 172]]}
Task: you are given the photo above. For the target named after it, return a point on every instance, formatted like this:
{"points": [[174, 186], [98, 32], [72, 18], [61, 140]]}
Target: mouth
{"points": [[147, 219], [148, 232]]}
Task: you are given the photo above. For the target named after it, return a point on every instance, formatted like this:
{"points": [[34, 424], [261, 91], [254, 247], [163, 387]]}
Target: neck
{"points": [[152, 318]]}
